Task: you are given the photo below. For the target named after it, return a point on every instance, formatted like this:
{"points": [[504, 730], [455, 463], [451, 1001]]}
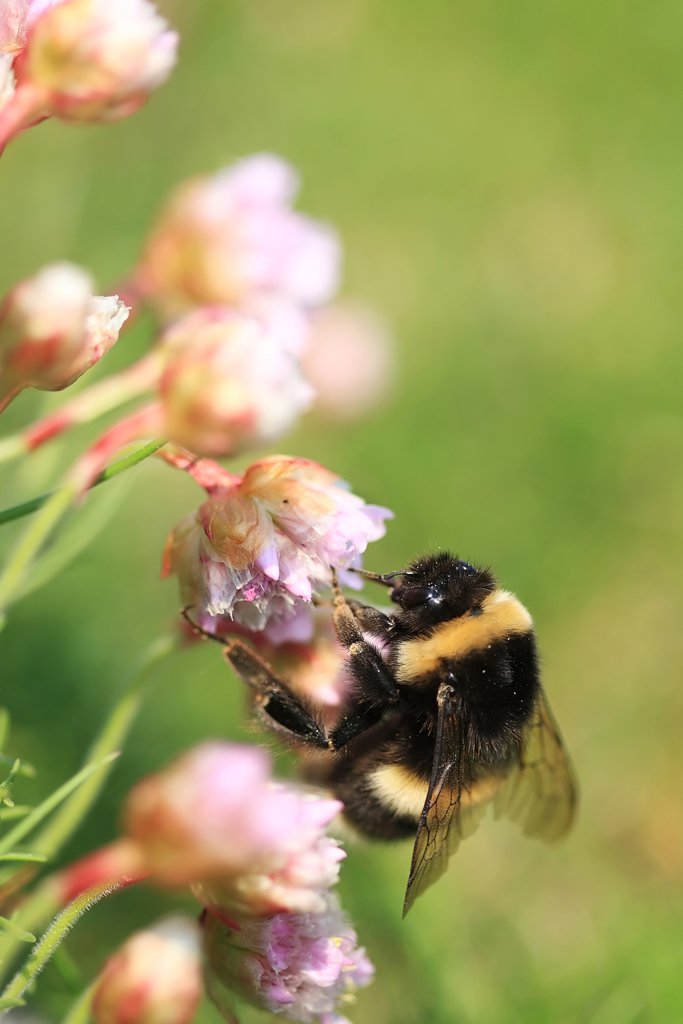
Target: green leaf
{"points": [[8, 925], [20, 855], [15, 835], [4, 727], [7, 1003], [81, 529], [14, 811]]}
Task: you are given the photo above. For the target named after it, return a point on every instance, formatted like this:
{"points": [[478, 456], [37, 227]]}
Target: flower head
{"points": [[93, 60], [154, 978], [214, 819], [303, 967], [52, 329], [348, 360], [227, 384], [233, 236], [254, 551]]}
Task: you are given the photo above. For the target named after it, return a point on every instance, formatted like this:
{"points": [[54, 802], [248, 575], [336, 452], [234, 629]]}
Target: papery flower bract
{"points": [[7, 82], [52, 329], [94, 60], [213, 819], [256, 551], [303, 967], [154, 978], [228, 237], [227, 384], [348, 359]]}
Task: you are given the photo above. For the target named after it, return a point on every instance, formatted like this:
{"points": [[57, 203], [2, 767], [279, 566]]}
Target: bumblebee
{"points": [[445, 715]]}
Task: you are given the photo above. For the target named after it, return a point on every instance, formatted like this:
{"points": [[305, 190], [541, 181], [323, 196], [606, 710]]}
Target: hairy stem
{"points": [[44, 950]]}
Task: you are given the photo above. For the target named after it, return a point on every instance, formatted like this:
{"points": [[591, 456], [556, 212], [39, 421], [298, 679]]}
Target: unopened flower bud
{"points": [[303, 967], [52, 329], [227, 384], [255, 551], [154, 978], [214, 819], [232, 236], [94, 60]]}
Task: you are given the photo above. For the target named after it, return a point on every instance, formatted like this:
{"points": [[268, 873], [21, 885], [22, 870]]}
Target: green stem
{"points": [[53, 937], [88, 405], [110, 740], [79, 1011], [8, 515]]}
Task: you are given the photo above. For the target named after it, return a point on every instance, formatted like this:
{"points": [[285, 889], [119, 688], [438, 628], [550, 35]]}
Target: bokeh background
{"points": [[507, 182]]}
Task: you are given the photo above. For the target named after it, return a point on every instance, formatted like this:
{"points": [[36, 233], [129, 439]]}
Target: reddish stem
{"points": [[145, 422], [26, 106]]}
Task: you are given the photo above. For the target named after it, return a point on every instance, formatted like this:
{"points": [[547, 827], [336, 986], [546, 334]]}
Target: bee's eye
{"points": [[411, 597]]}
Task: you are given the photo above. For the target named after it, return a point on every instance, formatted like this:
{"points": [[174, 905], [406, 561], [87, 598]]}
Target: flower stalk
{"points": [[44, 950]]}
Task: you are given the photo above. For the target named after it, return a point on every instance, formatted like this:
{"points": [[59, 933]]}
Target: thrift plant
{"points": [[240, 285]]}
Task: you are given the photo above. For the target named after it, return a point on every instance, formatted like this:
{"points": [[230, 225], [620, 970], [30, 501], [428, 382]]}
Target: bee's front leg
{"points": [[372, 620]]}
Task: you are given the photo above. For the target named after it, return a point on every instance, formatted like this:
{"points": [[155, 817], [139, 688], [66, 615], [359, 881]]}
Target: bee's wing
{"points": [[540, 792], [447, 816]]}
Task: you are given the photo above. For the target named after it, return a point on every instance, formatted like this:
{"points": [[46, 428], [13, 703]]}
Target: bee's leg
{"points": [[372, 620], [375, 688], [276, 705]]}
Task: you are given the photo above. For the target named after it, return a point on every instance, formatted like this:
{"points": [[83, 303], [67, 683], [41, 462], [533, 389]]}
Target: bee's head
{"points": [[437, 588]]}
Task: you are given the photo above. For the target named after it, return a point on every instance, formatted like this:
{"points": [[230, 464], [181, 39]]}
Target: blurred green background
{"points": [[507, 182]]}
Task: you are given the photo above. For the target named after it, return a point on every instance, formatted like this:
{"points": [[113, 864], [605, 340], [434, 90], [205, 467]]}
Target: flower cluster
{"points": [[242, 288], [303, 966], [52, 329], [256, 855], [233, 239], [80, 60], [256, 549]]}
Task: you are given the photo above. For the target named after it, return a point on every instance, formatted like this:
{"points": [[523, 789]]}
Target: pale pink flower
{"points": [[255, 550], [349, 360], [93, 60], [233, 236], [52, 329], [227, 384], [154, 978], [303, 967], [214, 819]]}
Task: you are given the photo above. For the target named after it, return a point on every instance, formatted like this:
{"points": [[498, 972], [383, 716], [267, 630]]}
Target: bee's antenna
{"points": [[376, 577], [185, 612]]}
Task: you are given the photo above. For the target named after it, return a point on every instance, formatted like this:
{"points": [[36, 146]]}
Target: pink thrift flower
{"points": [[227, 385], [303, 967], [255, 551], [52, 329], [349, 360], [214, 819], [154, 978], [233, 236], [93, 60]]}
